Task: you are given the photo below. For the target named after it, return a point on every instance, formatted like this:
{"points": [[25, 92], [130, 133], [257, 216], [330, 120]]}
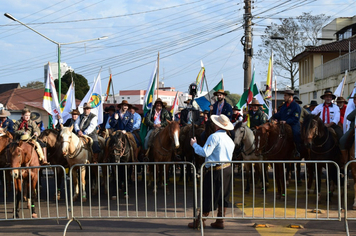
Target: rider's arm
{"points": [[165, 116], [336, 117], [76, 125], [92, 126]]}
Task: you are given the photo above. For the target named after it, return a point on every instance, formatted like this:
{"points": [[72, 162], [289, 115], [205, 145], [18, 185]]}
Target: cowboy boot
{"points": [[219, 223], [95, 157], [44, 160], [196, 223]]}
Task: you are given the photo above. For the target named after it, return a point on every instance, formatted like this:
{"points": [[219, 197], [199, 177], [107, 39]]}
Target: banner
{"points": [[205, 101], [68, 103], [50, 98]]}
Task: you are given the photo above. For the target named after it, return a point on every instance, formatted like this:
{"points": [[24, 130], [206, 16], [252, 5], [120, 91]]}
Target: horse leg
{"points": [[84, 197], [75, 184], [60, 177], [33, 195], [95, 182], [17, 183], [319, 169], [249, 176], [310, 171]]}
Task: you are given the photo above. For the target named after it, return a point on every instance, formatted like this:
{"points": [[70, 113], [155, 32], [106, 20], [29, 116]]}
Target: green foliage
{"points": [[234, 98], [81, 84], [34, 85]]}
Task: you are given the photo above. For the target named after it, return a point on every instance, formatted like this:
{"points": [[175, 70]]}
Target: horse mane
{"points": [[46, 132], [308, 124], [238, 125], [116, 137]]}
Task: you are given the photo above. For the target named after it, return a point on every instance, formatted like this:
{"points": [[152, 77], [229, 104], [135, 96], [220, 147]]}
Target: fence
{"points": [[174, 199]]}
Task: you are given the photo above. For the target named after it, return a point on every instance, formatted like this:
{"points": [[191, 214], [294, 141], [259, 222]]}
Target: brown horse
{"points": [[322, 144], [163, 147], [5, 139], [55, 156], [275, 142], [23, 154]]}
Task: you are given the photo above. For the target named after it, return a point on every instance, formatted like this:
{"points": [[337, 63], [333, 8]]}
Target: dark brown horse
{"points": [[163, 147], [55, 156], [275, 142], [5, 139], [23, 154], [322, 144]]}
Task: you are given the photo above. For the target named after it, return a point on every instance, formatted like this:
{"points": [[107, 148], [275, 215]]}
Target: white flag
{"points": [[350, 107], [94, 99], [50, 98], [69, 101], [338, 92]]}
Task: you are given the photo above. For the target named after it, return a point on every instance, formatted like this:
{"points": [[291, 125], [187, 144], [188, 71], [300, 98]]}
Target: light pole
{"points": [[59, 48]]}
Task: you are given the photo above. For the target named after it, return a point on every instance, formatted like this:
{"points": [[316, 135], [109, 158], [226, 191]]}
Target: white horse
{"points": [[244, 135], [76, 151]]}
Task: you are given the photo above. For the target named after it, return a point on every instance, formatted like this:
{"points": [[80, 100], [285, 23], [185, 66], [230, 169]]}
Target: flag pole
{"points": [[343, 85], [275, 95], [112, 86], [207, 88], [157, 73]]}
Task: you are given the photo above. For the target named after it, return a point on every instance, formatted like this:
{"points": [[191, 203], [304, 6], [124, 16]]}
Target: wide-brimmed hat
{"points": [[158, 100], [341, 99], [255, 102], [111, 108], [188, 101], [296, 99], [313, 103], [24, 137], [328, 92], [4, 113], [124, 102], [289, 91], [222, 121], [220, 91], [134, 107], [236, 108], [87, 106], [35, 115], [75, 112]]}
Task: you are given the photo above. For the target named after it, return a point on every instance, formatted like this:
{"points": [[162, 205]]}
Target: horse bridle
{"points": [[77, 150], [121, 151], [273, 146]]}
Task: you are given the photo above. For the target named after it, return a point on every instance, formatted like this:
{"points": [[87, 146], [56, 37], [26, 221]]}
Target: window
{"points": [[128, 97], [122, 97], [315, 94]]}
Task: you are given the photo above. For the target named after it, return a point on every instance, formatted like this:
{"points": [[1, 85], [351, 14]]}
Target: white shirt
{"points": [[91, 127], [334, 111]]}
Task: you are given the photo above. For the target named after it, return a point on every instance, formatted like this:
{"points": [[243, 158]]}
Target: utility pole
{"points": [[246, 41]]}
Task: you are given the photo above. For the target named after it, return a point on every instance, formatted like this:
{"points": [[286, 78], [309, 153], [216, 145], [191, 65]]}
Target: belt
{"points": [[220, 167]]}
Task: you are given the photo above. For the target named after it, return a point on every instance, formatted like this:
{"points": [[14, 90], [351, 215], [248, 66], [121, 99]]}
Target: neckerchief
{"points": [[23, 124], [326, 109]]}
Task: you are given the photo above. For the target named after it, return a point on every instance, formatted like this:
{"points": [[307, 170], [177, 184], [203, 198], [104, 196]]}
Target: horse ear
{"points": [[8, 134], [257, 127], [244, 124], [71, 128], [20, 143], [168, 121]]}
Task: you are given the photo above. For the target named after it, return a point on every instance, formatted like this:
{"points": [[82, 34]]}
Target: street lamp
{"points": [[59, 48]]}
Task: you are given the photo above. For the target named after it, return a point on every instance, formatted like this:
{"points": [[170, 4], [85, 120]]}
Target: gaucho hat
{"points": [[328, 92]]}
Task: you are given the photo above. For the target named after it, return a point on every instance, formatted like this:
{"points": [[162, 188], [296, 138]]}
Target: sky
{"points": [[183, 32]]}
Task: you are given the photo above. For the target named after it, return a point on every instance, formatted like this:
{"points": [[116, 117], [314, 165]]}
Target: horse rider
{"points": [[341, 103], [312, 106], [71, 121], [329, 113], [108, 117], [218, 148], [25, 129], [155, 119], [136, 118], [188, 113], [290, 114], [350, 117], [86, 125], [123, 119], [221, 106], [36, 117], [255, 114], [303, 111], [5, 122], [236, 116]]}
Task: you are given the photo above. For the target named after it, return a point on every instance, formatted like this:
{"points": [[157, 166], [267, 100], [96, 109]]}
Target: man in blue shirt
{"points": [[136, 118], [123, 119], [218, 148], [6, 123], [290, 114]]}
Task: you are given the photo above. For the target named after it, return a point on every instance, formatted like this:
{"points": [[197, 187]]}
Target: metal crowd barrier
{"points": [[298, 203], [46, 203], [134, 198], [348, 216]]}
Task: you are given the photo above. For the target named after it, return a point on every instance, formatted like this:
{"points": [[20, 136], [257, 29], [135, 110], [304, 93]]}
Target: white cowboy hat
{"points": [[222, 121]]}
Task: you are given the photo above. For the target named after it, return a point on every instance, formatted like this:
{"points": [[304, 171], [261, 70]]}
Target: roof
{"points": [[7, 87], [337, 46], [17, 99]]}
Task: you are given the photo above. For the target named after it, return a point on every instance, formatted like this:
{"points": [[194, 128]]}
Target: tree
{"points": [[81, 84], [233, 98], [34, 85], [296, 33]]}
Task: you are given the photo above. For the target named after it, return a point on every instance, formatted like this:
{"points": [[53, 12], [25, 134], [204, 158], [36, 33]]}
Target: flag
{"points": [[69, 99], [205, 101], [250, 94], [268, 93], [200, 78], [350, 107], [256, 94], [93, 98], [50, 98], [174, 108], [108, 88], [339, 90], [148, 101]]}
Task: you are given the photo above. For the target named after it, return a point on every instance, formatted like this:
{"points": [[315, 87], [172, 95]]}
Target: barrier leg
{"points": [[68, 223]]}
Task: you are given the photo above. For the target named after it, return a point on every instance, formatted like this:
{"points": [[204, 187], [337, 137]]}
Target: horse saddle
{"points": [[153, 135], [87, 143]]}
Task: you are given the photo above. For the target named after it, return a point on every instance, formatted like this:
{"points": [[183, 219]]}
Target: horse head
{"points": [[312, 128], [261, 137], [240, 132], [16, 156], [66, 134], [117, 144], [174, 130]]}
